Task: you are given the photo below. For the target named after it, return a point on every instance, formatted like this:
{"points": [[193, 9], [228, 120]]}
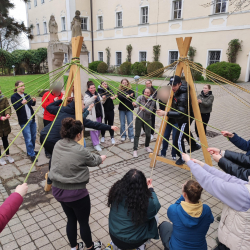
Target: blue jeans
{"points": [[29, 134], [166, 136], [129, 115]]}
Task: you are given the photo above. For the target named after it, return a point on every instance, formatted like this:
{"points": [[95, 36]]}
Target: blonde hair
{"points": [[122, 87]]}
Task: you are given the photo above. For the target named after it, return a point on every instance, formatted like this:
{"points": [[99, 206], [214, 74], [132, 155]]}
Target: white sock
{"points": [[142, 247], [74, 248]]}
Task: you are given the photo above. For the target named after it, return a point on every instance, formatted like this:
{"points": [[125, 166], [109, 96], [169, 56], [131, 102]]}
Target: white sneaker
{"points": [[97, 245], [98, 148], [135, 154], [142, 132], [123, 139], [113, 140], [102, 139], [132, 140], [2, 161], [9, 159], [152, 137], [174, 158], [148, 149]]}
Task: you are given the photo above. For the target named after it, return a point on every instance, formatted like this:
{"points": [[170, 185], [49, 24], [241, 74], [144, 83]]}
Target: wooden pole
{"points": [[183, 46], [75, 74]]}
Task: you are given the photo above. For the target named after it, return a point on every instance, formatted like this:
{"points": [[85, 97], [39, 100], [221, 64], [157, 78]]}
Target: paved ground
{"points": [[40, 222]]}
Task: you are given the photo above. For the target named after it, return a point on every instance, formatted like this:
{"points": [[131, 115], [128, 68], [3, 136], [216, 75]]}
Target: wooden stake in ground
{"points": [[75, 74], [183, 47]]}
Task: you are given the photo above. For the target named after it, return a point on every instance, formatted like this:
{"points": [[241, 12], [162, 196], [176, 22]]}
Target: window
{"points": [[29, 5], [37, 29], [173, 56], [63, 23], [35, 3], [213, 56], [177, 6], [118, 19], [100, 23], [142, 56], [144, 15], [65, 58], [100, 56], [44, 27], [42, 1], [84, 23], [220, 6], [118, 58]]}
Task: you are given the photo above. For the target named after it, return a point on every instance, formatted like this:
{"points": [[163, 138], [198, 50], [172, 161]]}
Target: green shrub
{"points": [[155, 66], [102, 67], [230, 71], [93, 66], [197, 76], [139, 68], [125, 68]]}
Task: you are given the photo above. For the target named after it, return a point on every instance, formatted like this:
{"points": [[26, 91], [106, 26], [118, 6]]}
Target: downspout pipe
{"points": [[92, 34]]}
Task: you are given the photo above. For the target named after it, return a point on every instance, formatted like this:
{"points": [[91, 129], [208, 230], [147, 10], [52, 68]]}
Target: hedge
{"points": [[230, 71], [93, 66], [102, 67], [125, 68], [197, 76], [155, 66], [139, 68]]}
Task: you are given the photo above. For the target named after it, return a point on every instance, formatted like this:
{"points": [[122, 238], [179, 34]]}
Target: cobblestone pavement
{"points": [[40, 222]]}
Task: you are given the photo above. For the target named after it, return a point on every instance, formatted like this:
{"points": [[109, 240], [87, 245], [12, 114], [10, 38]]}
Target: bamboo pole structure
{"points": [[183, 46]]}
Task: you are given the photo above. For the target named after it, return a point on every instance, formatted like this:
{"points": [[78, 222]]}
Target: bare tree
{"points": [[11, 42]]}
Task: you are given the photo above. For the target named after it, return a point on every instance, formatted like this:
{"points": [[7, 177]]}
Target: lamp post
{"points": [[137, 78], [13, 66]]}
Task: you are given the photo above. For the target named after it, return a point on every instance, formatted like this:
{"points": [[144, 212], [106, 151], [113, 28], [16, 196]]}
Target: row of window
{"points": [[35, 3], [213, 57], [45, 30]]}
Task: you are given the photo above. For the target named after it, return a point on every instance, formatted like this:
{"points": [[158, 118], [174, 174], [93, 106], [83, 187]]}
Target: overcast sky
{"points": [[19, 13]]}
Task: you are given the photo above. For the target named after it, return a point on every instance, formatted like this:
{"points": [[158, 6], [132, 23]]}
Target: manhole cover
{"points": [[212, 134]]}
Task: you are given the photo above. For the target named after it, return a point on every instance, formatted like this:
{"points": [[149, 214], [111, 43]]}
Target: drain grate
{"points": [[212, 134]]}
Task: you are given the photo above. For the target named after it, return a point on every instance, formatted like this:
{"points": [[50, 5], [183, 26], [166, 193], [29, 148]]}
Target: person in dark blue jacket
{"points": [[190, 221], [133, 209], [238, 141], [23, 103]]}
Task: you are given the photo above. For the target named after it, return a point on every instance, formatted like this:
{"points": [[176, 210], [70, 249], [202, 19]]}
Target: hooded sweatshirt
{"points": [[207, 102], [190, 225]]}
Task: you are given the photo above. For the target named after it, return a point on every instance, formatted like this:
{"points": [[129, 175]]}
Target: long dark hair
{"points": [[133, 188], [71, 128]]}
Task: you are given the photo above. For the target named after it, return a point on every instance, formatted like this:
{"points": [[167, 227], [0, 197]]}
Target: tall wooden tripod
{"points": [[183, 47]]}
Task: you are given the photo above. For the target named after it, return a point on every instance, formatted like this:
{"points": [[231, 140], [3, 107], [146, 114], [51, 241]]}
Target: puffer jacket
{"points": [[180, 103], [109, 104], [5, 128], [149, 104], [236, 164], [234, 228], [207, 102]]}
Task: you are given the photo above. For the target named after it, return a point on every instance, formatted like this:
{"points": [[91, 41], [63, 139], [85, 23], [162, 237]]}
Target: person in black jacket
{"points": [[126, 95], [106, 93], [236, 164], [180, 103], [23, 103], [54, 135]]}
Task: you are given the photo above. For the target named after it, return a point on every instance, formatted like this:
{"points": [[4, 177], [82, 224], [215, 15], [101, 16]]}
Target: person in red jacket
{"points": [[11, 205], [55, 95]]}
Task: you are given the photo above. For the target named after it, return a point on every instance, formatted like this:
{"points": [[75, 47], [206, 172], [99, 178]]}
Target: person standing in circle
{"points": [[205, 100], [126, 95], [108, 94]]}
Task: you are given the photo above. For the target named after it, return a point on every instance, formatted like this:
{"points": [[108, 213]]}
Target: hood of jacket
{"points": [[206, 95], [194, 209]]}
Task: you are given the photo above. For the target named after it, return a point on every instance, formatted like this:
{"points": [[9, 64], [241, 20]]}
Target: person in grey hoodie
{"points": [[145, 105], [69, 174], [234, 230]]}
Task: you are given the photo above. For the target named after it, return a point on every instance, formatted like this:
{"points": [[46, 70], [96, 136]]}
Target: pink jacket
{"points": [[9, 208]]}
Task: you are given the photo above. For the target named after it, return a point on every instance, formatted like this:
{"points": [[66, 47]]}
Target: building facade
{"points": [[145, 23]]}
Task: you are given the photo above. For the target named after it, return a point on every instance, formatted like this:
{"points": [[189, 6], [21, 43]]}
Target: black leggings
{"points": [[78, 211], [109, 119], [205, 118], [5, 144]]}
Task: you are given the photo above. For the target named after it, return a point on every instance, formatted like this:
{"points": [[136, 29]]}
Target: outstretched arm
{"points": [[54, 107], [238, 158], [240, 142]]}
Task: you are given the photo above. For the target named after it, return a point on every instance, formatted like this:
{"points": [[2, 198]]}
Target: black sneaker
{"points": [[179, 161], [32, 158], [218, 218], [97, 245], [80, 246], [197, 147], [48, 155]]}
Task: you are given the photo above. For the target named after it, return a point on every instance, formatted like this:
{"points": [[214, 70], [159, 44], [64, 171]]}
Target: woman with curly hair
{"points": [[133, 207]]}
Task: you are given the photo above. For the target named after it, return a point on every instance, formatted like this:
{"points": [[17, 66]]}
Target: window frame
{"points": [[82, 18], [99, 52], [38, 29], [116, 61], [99, 23], [29, 4], [45, 26], [173, 9], [35, 3], [66, 57], [142, 51], [63, 18], [210, 50], [169, 57], [117, 20], [141, 14], [221, 2]]}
